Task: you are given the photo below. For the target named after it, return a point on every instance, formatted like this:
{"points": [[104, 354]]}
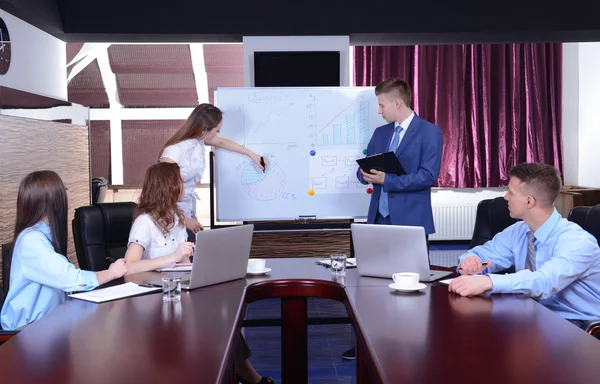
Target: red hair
{"points": [[161, 191]]}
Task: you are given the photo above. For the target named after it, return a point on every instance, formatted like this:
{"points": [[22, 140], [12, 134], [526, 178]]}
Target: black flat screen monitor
{"points": [[297, 69]]}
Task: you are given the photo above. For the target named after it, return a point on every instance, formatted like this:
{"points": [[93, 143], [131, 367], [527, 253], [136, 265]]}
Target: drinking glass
{"points": [[338, 264], [171, 287]]}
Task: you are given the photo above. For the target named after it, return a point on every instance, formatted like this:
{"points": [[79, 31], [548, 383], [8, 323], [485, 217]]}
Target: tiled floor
{"points": [[325, 342]]}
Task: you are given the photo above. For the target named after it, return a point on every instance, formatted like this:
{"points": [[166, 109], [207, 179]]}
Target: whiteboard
{"points": [[310, 138]]}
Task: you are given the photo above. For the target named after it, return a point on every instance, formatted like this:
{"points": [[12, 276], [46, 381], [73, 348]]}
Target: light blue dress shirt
{"points": [[39, 278], [567, 260]]}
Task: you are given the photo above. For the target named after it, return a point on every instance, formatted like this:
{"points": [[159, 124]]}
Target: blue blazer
{"points": [[409, 196]]}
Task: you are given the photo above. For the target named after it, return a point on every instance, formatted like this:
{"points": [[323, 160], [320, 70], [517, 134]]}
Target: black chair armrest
{"points": [[7, 335], [593, 327]]}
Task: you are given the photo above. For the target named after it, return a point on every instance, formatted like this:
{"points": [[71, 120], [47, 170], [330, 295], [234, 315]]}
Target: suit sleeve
{"points": [[429, 168], [370, 151]]}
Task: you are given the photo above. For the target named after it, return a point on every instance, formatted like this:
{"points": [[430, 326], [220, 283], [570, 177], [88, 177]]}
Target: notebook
{"points": [[113, 293], [182, 267]]}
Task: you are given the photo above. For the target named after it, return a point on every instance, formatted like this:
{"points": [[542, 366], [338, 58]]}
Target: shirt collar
{"points": [[406, 123], [42, 227], [544, 231]]}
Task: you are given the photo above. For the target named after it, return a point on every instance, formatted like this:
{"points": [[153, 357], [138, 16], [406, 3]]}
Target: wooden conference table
{"points": [[425, 337]]}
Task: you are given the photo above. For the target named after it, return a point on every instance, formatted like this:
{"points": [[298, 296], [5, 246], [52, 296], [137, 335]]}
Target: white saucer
{"points": [[407, 288], [256, 273]]}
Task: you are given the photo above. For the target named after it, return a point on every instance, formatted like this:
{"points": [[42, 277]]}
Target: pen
{"points": [[484, 264], [110, 260], [262, 162]]}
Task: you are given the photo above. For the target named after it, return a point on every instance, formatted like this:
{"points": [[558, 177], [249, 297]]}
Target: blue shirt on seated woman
{"points": [[40, 273]]}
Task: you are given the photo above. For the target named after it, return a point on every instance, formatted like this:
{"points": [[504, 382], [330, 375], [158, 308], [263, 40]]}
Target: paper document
{"points": [[445, 282], [113, 293], [183, 267], [351, 262]]}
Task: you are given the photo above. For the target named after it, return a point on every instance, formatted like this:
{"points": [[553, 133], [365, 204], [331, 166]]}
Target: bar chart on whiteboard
{"points": [[310, 139]]}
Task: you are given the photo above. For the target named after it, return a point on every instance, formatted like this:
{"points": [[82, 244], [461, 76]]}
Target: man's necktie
{"points": [[384, 208], [530, 260]]}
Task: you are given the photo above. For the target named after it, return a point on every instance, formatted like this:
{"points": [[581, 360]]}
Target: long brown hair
{"points": [[42, 194], [161, 191], [204, 118]]}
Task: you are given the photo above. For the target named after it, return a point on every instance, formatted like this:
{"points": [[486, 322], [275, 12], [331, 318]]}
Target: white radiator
{"points": [[453, 222]]}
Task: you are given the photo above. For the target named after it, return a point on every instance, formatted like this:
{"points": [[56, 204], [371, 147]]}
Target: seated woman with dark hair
{"points": [[40, 273]]}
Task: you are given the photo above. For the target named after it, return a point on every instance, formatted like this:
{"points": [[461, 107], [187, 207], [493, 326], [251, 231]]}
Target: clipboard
{"points": [[384, 162]]}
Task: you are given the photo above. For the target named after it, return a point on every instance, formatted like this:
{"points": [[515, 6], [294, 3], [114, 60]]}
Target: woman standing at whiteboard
{"points": [[186, 148]]}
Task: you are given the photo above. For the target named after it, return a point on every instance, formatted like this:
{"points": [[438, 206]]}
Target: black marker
{"points": [[262, 162]]}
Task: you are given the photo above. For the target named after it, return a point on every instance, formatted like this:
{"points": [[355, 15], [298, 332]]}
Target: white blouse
{"points": [[156, 244], [189, 155]]}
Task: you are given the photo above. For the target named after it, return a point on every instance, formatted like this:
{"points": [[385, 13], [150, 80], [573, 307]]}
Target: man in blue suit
{"points": [[405, 199]]}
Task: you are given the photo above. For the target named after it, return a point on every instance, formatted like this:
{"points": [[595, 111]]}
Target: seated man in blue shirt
{"points": [[556, 261]]}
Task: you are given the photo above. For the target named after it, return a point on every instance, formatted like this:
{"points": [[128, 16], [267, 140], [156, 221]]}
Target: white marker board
{"points": [[310, 138]]}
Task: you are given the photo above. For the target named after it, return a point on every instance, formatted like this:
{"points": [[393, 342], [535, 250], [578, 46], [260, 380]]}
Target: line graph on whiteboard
{"points": [[266, 116], [255, 126]]}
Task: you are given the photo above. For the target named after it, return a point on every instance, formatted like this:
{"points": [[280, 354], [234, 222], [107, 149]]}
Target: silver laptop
{"points": [[382, 250], [221, 255]]}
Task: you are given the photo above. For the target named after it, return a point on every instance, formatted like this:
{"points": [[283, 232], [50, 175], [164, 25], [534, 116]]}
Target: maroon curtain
{"points": [[498, 105]]}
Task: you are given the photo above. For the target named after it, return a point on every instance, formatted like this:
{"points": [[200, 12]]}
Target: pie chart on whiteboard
{"points": [[261, 185]]}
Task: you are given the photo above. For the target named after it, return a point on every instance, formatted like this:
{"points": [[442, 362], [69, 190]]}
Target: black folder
{"points": [[384, 162]]}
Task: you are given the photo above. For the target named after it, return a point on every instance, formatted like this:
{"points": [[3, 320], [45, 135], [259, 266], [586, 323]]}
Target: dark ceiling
{"points": [[368, 23]]}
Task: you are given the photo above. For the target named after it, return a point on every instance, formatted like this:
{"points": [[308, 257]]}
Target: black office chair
{"points": [[6, 262], [99, 188], [588, 218], [492, 217], [482, 232], [578, 215], [101, 231], [592, 224]]}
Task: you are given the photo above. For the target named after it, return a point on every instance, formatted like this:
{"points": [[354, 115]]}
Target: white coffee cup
{"points": [[256, 265], [406, 279]]}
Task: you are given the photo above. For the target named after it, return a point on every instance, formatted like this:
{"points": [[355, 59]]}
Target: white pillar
{"points": [[116, 136]]}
